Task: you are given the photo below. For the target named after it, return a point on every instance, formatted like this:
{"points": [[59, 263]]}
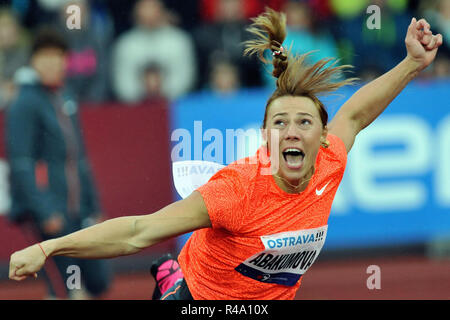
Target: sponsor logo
{"points": [[320, 191]]}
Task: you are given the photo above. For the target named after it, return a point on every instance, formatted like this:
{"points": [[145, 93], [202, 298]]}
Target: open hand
{"points": [[421, 44]]}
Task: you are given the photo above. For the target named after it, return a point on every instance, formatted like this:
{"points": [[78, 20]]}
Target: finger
{"points": [[14, 276], [23, 272], [435, 42], [18, 272], [440, 40], [13, 269], [412, 32], [426, 39], [432, 43], [412, 29], [420, 30], [12, 273], [423, 25], [17, 278]]}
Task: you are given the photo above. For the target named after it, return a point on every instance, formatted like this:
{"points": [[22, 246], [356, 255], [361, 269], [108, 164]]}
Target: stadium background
{"points": [[392, 209]]}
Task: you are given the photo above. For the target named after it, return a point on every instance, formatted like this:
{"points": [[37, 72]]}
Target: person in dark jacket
{"points": [[52, 188]]}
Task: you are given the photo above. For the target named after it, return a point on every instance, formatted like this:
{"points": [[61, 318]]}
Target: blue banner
{"points": [[396, 189]]}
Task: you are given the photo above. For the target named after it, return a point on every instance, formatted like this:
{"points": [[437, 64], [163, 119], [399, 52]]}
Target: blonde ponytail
{"points": [[295, 76]]}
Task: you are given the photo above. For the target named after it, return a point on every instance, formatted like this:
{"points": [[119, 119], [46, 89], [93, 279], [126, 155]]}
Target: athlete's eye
{"points": [[279, 123], [305, 122]]}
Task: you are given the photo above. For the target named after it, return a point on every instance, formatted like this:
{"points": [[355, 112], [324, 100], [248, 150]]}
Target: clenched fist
{"points": [[421, 43], [26, 263]]}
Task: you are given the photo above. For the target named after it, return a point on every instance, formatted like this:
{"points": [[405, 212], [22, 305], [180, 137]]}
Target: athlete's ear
{"points": [[323, 138]]}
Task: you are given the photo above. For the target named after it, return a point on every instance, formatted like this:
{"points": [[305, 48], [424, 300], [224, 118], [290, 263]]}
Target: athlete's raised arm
{"points": [[115, 237], [371, 100]]}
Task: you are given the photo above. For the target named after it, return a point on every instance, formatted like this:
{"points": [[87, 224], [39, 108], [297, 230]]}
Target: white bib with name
{"points": [[286, 256]]}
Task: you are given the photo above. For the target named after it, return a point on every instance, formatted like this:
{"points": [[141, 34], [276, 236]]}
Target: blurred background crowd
{"points": [[140, 50]]}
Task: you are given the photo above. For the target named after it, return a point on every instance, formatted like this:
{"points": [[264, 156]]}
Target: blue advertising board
{"points": [[396, 189]]}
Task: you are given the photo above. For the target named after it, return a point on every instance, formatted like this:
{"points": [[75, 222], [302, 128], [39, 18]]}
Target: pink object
{"points": [[168, 273]]}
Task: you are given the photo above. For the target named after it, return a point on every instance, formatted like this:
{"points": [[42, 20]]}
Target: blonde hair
{"points": [[295, 76]]}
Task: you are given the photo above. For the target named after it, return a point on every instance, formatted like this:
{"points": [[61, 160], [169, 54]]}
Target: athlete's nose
{"points": [[292, 133]]}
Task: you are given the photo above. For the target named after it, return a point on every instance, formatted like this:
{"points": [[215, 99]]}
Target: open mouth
{"points": [[293, 157]]}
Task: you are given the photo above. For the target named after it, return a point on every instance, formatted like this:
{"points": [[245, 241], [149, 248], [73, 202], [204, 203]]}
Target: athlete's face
{"points": [[296, 121]]}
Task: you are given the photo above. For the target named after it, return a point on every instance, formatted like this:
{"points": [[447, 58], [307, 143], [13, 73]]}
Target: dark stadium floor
{"points": [[407, 278]]}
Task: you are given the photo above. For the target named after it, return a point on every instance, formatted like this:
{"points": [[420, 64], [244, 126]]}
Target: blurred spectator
{"points": [[437, 13], [52, 187], [153, 40], [187, 12], [224, 77], [153, 79], [345, 9], [184, 14], [88, 65], [51, 7], [250, 8], [33, 13], [304, 34], [304, 31], [224, 36], [441, 66], [88, 56], [18, 7], [321, 9], [39, 12], [371, 51], [13, 54], [120, 13]]}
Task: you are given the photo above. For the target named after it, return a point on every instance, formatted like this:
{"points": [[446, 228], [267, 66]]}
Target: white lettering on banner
{"points": [[366, 165], [441, 150], [422, 153]]}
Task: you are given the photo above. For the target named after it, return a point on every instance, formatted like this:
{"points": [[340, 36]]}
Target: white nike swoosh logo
{"points": [[320, 191]]}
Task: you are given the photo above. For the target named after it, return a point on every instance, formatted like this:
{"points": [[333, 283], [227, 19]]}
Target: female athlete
{"points": [[256, 234]]}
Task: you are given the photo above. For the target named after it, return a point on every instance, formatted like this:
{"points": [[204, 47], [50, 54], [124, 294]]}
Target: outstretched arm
{"points": [[115, 237], [371, 100]]}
